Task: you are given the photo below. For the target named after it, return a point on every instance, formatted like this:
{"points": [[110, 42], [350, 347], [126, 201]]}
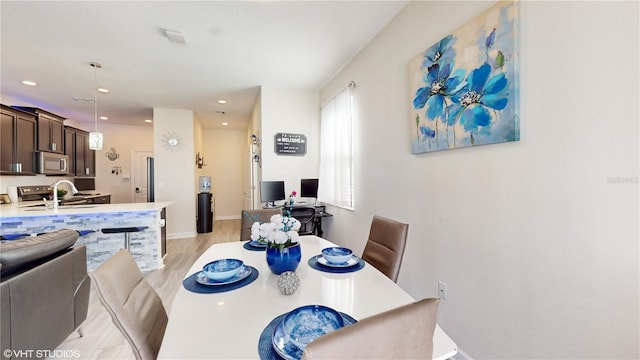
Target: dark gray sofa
{"points": [[44, 292]]}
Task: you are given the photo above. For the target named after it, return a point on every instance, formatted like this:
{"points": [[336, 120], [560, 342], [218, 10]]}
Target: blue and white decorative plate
{"points": [[201, 278], [282, 343], [257, 244], [354, 260], [283, 346]]}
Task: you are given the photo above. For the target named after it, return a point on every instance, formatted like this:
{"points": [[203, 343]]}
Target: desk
{"points": [[317, 219], [228, 325]]}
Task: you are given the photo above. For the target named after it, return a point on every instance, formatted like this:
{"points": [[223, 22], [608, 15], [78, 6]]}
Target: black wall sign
{"points": [[290, 144]]}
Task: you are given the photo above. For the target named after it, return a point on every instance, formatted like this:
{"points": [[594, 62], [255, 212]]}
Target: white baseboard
{"points": [[228, 217], [181, 235]]}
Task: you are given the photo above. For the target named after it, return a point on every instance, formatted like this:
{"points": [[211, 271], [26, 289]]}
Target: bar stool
{"points": [[127, 233]]}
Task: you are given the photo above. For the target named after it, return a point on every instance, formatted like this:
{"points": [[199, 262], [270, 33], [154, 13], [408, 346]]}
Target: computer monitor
{"points": [[309, 188], [271, 191]]}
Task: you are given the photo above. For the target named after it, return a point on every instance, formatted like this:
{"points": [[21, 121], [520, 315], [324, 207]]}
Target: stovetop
{"points": [[33, 192]]}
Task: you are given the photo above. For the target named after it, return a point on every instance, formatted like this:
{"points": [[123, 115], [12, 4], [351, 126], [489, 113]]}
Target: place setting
{"points": [[336, 260], [255, 245], [287, 335], [220, 276]]}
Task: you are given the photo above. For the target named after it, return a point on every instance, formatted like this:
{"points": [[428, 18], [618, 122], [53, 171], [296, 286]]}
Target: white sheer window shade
{"points": [[336, 150]]}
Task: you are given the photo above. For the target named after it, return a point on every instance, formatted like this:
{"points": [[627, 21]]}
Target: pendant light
{"points": [[95, 137]]}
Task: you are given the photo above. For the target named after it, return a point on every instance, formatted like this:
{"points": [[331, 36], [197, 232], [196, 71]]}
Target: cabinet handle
{"points": [[53, 146], [86, 171]]}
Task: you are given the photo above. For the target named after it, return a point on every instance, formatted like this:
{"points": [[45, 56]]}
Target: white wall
{"points": [[255, 169], [289, 111], [174, 170], [225, 162], [537, 239], [198, 147]]}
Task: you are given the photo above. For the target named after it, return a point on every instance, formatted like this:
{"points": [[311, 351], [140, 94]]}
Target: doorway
{"points": [[139, 187]]}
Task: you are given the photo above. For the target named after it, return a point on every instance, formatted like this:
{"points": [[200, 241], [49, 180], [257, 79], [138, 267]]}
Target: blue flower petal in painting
{"points": [[478, 77], [422, 95], [472, 102], [442, 51], [455, 82], [441, 83], [475, 116], [494, 101], [435, 106], [427, 132], [495, 84]]}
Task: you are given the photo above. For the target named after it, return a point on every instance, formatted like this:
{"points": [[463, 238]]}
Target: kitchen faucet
{"points": [[55, 190]]}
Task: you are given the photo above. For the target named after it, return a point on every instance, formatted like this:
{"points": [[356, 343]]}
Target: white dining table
{"points": [[228, 325]]}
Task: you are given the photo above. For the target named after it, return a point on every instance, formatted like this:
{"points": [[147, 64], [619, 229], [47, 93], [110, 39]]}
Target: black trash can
{"points": [[204, 219]]}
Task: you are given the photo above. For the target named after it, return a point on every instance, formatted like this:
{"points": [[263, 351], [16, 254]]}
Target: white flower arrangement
{"points": [[281, 231]]}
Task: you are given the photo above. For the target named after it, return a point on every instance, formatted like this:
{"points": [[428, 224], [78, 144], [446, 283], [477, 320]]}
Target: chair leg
{"points": [[79, 331], [127, 240]]}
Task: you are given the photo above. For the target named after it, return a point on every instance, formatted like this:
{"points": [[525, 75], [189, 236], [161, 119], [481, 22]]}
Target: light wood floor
{"points": [[102, 340]]}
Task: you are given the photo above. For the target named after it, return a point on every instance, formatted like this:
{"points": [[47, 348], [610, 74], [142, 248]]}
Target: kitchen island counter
{"points": [[24, 209], [147, 246]]}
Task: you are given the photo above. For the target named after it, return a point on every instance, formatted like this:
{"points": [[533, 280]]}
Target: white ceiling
{"points": [[233, 47]]}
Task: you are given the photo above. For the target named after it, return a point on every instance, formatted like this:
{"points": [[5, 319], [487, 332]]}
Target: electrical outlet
{"points": [[442, 290]]}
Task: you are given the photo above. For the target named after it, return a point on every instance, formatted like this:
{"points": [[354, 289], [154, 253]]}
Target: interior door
{"points": [[139, 175]]}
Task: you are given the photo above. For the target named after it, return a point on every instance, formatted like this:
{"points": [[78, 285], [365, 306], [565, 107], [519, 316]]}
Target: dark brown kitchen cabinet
{"points": [[50, 129], [17, 142], [70, 148], [82, 158]]}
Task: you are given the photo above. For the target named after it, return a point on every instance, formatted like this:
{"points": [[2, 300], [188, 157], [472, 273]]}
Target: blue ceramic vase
{"points": [[281, 260]]}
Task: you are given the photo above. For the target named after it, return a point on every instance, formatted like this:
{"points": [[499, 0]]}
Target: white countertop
{"points": [[28, 209]]}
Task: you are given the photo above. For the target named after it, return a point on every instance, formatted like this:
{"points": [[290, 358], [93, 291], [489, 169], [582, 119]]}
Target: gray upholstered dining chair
{"points": [[134, 306], [251, 216], [405, 332], [385, 246]]}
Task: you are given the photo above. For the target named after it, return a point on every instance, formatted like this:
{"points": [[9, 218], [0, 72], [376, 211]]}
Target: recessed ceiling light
{"points": [[104, 118], [103, 90], [29, 82], [225, 123], [148, 121], [222, 101]]}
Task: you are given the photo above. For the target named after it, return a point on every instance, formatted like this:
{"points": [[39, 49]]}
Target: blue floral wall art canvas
{"points": [[464, 89]]}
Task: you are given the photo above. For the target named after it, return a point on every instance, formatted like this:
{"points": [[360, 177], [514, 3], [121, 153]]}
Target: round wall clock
{"points": [[171, 141]]}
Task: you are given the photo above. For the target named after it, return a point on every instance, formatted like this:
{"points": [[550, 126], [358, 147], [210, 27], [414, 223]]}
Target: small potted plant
{"points": [[61, 193]]}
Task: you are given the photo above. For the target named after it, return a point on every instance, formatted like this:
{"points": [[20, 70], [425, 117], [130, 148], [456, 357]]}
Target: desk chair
{"points": [[304, 214], [405, 332], [251, 216], [385, 247], [134, 306]]}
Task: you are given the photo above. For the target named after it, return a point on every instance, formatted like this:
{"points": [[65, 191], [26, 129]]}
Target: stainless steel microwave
{"points": [[52, 164]]}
